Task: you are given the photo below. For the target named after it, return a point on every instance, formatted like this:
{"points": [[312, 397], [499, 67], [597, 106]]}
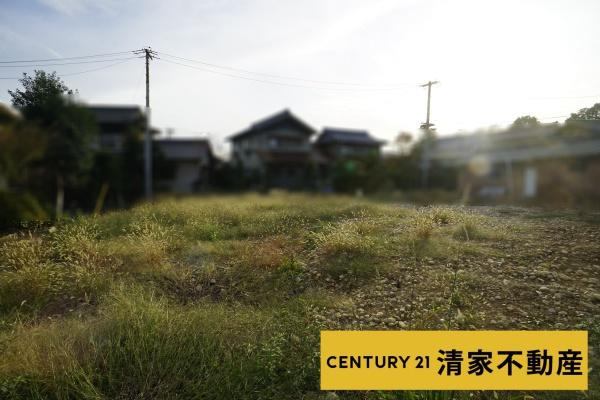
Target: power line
{"points": [[275, 82], [220, 66], [65, 58], [66, 63], [99, 68], [80, 72], [236, 73], [372, 86]]}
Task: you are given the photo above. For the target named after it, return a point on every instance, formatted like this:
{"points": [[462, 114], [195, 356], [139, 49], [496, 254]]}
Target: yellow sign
{"points": [[454, 360]]}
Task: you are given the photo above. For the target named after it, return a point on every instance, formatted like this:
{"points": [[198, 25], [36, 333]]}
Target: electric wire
{"points": [[66, 58], [220, 66], [79, 72], [219, 69], [379, 86], [275, 82], [66, 63], [359, 86]]}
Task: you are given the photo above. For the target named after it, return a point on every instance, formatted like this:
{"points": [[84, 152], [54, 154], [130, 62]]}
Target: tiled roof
{"points": [[184, 148], [273, 121], [347, 136], [116, 114]]}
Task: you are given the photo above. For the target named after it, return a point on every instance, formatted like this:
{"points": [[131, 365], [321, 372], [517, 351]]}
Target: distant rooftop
{"points": [[272, 122], [111, 114], [184, 148], [347, 136]]}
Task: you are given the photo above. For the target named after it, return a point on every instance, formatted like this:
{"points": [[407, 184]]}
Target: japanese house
{"points": [[337, 143], [190, 160], [275, 152], [279, 152]]}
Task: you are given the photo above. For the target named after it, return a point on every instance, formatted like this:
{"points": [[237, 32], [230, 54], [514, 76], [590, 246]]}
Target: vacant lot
{"points": [[223, 297]]}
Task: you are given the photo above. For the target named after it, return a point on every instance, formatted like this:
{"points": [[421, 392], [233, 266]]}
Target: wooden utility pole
{"points": [[426, 127], [148, 55], [427, 124]]}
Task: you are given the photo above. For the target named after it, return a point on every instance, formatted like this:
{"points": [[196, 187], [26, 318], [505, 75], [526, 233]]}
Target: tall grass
{"points": [[203, 298], [141, 346], [348, 250]]}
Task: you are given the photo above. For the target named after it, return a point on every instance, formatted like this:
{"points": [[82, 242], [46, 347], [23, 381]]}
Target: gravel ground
{"points": [[547, 278]]}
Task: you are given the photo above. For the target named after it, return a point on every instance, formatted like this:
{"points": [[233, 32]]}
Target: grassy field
{"points": [[224, 297]]}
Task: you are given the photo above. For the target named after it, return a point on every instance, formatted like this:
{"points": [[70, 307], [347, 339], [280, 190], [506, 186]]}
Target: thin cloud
{"points": [[14, 39], [76, 7]]}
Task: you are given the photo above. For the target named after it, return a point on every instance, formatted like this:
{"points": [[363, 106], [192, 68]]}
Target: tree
{"points": [[131, 165], [586, 114], [406, 170], [402, 140], [68, 127], [526, 121], [21, 147], [578, 124]]}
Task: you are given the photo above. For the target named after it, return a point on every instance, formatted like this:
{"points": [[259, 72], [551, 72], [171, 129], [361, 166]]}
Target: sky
{"points": [[356, 64]]}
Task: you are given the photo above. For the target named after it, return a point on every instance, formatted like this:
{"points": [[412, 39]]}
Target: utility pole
{"points": [[148, 55], [425, 162], [428, 125]]}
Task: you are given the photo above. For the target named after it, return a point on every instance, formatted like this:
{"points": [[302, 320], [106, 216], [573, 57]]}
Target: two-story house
{"points": [[190, 159], [276, 151], [115, 122]]}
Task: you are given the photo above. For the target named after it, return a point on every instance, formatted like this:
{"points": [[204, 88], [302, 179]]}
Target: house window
{"points": [[110, 143], [289, 143]]}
